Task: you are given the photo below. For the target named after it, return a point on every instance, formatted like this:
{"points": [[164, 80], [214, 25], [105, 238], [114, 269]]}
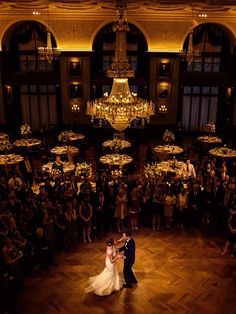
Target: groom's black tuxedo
{"points": [[129, 259]]}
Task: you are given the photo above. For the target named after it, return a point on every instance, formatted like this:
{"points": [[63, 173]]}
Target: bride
{"points": [[108, 280]]}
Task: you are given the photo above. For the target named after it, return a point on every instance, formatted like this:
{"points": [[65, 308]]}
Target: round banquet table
{"points": [[27, 142], [163, 150], [76, 137], [168, 149], [67, 167], [223, 152], [166, 168], [116, 144], [63, 150], [10, 159], [116, 159], [3, 136], [206, 139]]}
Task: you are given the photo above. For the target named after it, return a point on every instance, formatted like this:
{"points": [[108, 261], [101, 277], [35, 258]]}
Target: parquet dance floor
{"points": [[178, 272]]}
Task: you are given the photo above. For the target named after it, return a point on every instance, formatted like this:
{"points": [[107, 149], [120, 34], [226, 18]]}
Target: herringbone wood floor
{"points": [[179, 272]]}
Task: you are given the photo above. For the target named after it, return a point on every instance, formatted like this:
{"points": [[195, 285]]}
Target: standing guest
{"points": [[176, 186], [190, 169], [58, 165], [231, 237], [12, 257], [208, 198], [212, 179], [217, 212], [182, 208], [195, 203], [74, 185], [14, 181], [121, 203], [27, 170], [134, 208], [146, 214], [85, 213], [102, 183], [70, 226], [157, 207], [206, 171], [3, 188], [43, 252], [169, 202], [111, 206], [60, 226], [100, 214], [14, 205], [48, 188], [48, 228]]}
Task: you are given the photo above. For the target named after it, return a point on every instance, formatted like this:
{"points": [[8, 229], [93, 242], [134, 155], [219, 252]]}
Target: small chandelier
{"points": [[48, 53], [75, 106], [121, 107], [190, 54], [162, 109]]}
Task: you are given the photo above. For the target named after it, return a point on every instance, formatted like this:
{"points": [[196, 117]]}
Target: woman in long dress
{"points": [[108, 280]]}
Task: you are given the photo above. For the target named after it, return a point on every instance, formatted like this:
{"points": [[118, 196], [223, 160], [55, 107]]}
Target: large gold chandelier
{"points": [[48, 53], [121, 107]]}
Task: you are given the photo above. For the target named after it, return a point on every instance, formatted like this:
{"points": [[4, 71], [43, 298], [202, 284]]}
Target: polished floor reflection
{"points": [[178, 272]]}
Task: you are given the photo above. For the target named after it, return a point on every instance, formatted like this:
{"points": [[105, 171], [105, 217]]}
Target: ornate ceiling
{"points": [[157, 6]]}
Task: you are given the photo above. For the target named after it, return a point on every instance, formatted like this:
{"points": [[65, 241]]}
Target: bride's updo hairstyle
{"points": [[110, 242]]}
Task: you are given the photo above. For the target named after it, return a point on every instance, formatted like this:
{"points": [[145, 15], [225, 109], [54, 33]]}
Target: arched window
{"points": [[32, 82], [199, 100], [22, 41]]}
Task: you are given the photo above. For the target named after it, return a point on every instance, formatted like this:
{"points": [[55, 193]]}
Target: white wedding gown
{"points": [[108, 280]]}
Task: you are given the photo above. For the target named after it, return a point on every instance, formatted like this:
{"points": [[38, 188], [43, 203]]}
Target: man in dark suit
{"points": [[27, 170], [129, 259]]}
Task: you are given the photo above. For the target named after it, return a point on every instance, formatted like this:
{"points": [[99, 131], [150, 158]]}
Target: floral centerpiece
{"points": [[83, 170], [116, 173], [55, 173], [168, 136], [174, 164], [5, 145], [152, 171], [210, 127], [65, 136], [116, 144], [25, 130]]}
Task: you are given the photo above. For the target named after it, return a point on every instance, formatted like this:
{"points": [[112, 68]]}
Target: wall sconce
{"points": [[162, 109], [9, 93], [229, 95], [75, 106]]}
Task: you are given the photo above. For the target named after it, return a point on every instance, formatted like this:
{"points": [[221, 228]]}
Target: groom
{"points": [[129, 259]]}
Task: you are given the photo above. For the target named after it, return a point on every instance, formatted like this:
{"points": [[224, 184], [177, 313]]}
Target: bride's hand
{"points": [[121, 239], [119, 256]]}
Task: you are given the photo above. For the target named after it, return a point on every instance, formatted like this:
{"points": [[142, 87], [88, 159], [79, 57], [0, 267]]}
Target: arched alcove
{"points": [[104, 49], [25, 35], [204, 92]]}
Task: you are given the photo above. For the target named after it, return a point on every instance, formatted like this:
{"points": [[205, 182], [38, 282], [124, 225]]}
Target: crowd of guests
{"points": [[36, 225]]}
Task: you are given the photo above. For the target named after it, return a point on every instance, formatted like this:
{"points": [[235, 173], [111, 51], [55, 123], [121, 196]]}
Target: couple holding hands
{"points": [[109, 281]]}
